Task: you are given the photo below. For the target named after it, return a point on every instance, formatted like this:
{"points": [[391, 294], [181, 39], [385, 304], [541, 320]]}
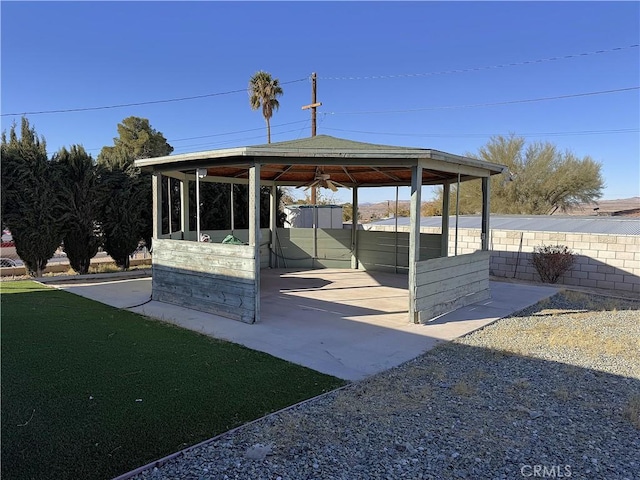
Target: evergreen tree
{"points": [[136, 140], [121, 201], [79, 204], [30, 207]]}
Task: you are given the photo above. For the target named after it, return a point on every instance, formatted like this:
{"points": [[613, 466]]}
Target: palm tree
{"points": [[264, 90]]}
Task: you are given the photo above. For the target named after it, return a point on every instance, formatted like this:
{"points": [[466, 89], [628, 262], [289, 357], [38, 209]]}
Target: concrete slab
{"points": [[346, 323]]}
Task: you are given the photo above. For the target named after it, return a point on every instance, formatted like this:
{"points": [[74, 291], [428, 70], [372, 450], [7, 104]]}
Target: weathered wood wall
{"points": [[210, 277], [444, 284], [218, 235], [294, 248], [377, 250]]}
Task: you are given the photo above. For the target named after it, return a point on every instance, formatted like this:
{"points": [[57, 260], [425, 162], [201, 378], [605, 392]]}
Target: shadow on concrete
{"points": [[348, 333]]}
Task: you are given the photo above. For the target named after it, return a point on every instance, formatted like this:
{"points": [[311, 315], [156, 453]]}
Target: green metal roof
{"points": [[322, 142]]}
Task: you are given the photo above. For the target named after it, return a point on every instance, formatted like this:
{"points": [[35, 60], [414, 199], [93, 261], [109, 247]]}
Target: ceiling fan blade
{"points": [[315, 183], [333, 185]]}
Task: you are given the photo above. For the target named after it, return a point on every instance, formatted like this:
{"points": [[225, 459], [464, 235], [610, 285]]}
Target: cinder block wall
{"points": [[603, 261]]}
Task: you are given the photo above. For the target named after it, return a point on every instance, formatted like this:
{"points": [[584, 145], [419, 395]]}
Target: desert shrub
{"points": [[552, 261]]}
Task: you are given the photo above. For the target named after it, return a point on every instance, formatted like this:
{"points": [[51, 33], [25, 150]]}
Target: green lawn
{"points": [[90, 391]]}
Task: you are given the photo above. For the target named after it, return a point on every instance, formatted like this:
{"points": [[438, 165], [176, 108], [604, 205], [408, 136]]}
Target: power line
{"points": [[219, 134], [226, 142], [488, 67], [135, 104], [482, 135], [373, 77], [476, 105], [237, 131]]}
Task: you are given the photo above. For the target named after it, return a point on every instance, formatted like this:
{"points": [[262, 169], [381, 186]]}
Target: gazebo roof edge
{"points": [[321, 146]]}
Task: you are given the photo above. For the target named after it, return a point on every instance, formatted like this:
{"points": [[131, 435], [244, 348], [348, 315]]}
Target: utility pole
{"points": [[314, 104]]}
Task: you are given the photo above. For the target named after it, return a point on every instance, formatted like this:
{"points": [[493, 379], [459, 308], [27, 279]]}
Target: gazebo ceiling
{"points": [[288, 174], [300, 162]]}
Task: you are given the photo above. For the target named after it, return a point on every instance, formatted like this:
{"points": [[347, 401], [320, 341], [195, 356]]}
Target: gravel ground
{"points": [[551, 392]]}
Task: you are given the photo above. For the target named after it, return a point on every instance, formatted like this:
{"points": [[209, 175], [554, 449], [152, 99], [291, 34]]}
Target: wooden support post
{"points": [[232, 202], [485, 212], [254, 229], [314, 258], [184, 207], [170, 207], [197, 205], [395, 231], [273, 213], [156, 189], [354, 228], [455, 248], [444, 241], [414, 239]]}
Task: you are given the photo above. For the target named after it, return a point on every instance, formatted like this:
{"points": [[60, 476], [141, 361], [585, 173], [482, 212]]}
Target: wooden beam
{"points": [[354, 228], [392, 177], [156, 189], [254, 229], [446, 192], [485, 212], [414, 240], [184, 207], [353, 180], [451, 167], [313, 105], [282, 172], [273, 212]]}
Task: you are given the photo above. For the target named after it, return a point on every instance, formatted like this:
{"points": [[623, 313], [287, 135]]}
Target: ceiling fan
{"points": [[324, 180]]}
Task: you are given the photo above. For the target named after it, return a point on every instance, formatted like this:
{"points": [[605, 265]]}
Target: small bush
{"points": [[552, 261]]}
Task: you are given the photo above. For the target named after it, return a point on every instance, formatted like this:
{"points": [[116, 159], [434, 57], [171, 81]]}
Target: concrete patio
{"points": [[346, 323]]}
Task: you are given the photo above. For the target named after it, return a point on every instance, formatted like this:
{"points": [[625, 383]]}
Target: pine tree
{"points": [[136, 140], [79, 203], [121, 199], [30, 206]]}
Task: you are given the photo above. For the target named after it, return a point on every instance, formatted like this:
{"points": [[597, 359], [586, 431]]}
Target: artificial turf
{"points": [[91, 392]]}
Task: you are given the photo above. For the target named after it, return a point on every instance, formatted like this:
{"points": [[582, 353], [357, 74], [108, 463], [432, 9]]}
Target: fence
{"points": [[11, 265]]}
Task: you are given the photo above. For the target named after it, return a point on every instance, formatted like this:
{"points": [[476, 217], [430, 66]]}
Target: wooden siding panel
{"points": [[444, 284], [436, 274], [296, 246], [209, 277], [449, 292], [377, 250], [449, 262]]}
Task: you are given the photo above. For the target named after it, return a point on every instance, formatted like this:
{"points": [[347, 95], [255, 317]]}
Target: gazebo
{"points": [[224, 279]]}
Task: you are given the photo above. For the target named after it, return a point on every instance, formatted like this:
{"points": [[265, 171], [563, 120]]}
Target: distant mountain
{"points": [[619, 207], [628, 207], [380, 210]]}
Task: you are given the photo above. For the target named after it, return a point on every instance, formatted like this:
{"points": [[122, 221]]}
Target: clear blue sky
{"points": [[88, 54]]}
